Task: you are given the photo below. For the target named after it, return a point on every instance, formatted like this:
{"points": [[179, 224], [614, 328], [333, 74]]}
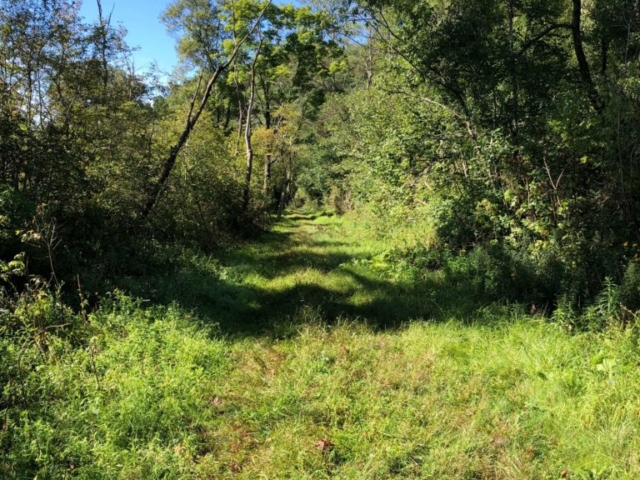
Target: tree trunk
{"points": [[514, 71], [247, 133], [192, 118], [369, 62], [583, 64], [104, 26], [284, 195], [267, 174]]}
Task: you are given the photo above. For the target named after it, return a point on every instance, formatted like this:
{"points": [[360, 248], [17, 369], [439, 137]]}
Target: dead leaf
{"points": [[324, 445]]}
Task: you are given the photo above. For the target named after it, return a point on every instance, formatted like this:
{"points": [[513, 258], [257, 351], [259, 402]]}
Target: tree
{"points": [[192, 119]]}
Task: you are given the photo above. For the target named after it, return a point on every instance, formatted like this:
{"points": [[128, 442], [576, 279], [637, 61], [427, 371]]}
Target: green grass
{"points": [[311, 355]]}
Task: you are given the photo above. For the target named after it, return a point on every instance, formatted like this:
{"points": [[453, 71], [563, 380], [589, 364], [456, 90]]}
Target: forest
{"points": [[344, 239]]}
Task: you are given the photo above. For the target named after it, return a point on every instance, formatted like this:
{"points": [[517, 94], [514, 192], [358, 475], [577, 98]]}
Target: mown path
{"points": [[337, 364], [306, 264], [320, 264]]}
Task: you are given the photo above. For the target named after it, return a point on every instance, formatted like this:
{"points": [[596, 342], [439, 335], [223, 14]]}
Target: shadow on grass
{"points": [[286, 262], [309, 217], [219, 295]]}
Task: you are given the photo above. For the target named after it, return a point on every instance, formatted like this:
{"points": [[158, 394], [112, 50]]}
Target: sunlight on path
{"points": [[318, 264], [312, 354]]}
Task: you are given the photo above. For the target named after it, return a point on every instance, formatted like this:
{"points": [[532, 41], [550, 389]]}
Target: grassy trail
{"points": [[322, 267], [344, 367], [328, 361], [319, 266]]}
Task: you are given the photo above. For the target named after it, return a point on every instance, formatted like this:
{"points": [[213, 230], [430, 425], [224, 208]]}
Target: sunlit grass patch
{"points": [[431, 401]]}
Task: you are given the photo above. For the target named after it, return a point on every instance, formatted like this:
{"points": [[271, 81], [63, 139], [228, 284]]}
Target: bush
{"points": [[630, 288]]}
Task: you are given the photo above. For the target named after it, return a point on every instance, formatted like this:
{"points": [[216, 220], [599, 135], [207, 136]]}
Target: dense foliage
{"points": [[97, 160], [504, 132]]}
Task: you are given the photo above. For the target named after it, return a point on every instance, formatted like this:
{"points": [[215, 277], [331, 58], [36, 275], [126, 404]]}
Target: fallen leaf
{"points": [[324, 445]]}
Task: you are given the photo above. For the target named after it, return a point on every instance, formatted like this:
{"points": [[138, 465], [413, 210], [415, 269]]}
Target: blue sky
{"points": [[145, 31]]}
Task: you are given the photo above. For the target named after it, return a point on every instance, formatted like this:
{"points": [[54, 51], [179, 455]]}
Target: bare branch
{"points": [[554, 184]]}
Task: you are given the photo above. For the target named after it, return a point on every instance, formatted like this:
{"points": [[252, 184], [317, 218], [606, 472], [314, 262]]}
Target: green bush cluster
{"points": [[507, 151]]}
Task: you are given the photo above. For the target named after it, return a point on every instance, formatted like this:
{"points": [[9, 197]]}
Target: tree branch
{"points": [[192, 119], [543, 34], [431, 74]]}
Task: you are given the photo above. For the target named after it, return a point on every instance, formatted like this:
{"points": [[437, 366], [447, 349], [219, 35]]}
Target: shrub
{"points": [[630, 287]]}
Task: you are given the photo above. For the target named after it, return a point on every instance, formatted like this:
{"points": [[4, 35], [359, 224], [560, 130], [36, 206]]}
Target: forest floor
{"points": [[309, 355]]}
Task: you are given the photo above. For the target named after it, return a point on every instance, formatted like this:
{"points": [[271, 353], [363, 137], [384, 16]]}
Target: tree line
{"points": [[97, 162]]}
